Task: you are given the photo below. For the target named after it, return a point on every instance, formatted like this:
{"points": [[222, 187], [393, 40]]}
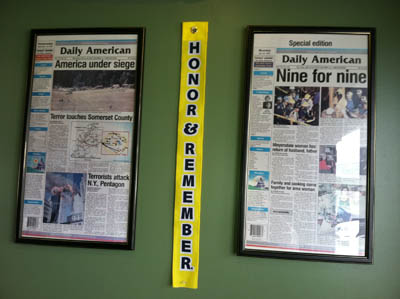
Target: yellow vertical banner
{"points": [[189, 155]]}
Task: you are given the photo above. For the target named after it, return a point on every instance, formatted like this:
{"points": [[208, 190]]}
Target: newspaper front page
{"points": [[79, 138], [306, 147]]}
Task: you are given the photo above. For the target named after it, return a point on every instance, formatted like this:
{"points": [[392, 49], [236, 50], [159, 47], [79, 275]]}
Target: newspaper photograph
{"points": [[306, 148], [78, 172]]}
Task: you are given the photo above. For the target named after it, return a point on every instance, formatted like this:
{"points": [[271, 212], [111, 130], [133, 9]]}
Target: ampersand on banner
{"points": [[190, 129]]}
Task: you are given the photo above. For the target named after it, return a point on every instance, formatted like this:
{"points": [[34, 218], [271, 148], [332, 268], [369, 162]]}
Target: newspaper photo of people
{"points": [[297, 106], [64, 198], [344, 102], [341, 211], [93, 90], [327, 159], [267, 104]]}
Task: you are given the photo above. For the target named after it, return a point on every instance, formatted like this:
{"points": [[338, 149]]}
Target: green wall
{"points": [[32, 271]]}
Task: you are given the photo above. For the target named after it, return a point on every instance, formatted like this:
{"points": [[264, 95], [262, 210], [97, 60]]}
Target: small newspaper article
{"points": [[79, 138], [307, 140]]}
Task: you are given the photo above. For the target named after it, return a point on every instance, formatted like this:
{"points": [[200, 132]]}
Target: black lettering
{"points": [[349, 77], [189, 149], [187, 196], [286, 76], [192, 94], [186, 246], [186, 230], [189, 164], [187, 213], [362, 78], [193, 79], [194, 63], [194, 48], [321, 76], [186, 263], [190, 129], [281, 76], [191, 110], [188, 180]]}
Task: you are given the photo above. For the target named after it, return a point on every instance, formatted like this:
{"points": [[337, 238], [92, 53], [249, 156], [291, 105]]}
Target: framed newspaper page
{"points": [[308, 157], [79, 163]]}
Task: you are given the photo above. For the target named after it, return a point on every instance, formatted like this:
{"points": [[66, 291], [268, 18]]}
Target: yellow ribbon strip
{"points": [[189, 155]]}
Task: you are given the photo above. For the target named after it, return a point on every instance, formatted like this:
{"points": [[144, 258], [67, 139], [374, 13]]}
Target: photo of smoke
{"points": [[297, 106], [93, 91], [64, 198]]}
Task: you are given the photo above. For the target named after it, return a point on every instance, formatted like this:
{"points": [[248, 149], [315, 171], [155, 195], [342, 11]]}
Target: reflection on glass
{"points": [[348, 156]]}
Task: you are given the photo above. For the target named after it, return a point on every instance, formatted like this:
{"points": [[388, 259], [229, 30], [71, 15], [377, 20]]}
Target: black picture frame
{"points": [[101, 138], [268, 61]]}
